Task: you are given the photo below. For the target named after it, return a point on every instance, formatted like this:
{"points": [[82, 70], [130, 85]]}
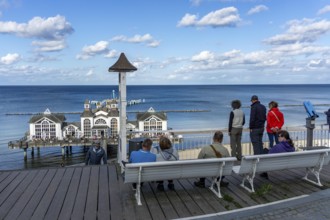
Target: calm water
{"points": [[215, 98]]}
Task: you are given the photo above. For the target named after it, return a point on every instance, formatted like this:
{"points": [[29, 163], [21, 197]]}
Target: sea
{"points": [[212, 101]]}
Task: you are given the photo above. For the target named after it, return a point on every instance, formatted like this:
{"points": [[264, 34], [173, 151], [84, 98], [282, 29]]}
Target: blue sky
{"points": [[74, 42]]}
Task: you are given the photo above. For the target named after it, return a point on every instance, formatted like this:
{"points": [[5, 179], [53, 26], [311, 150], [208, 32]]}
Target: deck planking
{"points": [[98, 192]]}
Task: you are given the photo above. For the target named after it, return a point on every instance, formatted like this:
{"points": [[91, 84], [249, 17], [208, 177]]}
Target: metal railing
{"points": [[189, 142]]}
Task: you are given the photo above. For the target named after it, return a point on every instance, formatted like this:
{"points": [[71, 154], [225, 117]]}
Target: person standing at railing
{"points": [[215, 150], [257, 124], [275, 121], [328, 117], [235, 129]]}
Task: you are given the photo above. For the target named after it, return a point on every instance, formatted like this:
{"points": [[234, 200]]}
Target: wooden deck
{"points": [[98, 192]]}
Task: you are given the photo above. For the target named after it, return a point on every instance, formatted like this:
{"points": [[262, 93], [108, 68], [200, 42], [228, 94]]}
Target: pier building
{"points": [[98, 119]]}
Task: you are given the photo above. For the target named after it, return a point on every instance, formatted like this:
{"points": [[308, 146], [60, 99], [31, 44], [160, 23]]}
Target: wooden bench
{"points": [[312, 160], [180, 169]]}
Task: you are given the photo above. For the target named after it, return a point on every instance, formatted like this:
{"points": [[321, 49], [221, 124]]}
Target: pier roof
{"points": [[57, 118]]}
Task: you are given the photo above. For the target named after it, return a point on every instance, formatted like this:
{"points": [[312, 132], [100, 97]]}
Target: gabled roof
{"points": [[143, 116], [113, 113], [133, 123], [56, 118], [76, 124], [87, 113], [100, 110]]}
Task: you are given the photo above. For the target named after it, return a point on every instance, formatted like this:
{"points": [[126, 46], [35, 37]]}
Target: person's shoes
{"points": [[170, 186], [223, 183], [264, 175], [160, 187], [200, 184]]}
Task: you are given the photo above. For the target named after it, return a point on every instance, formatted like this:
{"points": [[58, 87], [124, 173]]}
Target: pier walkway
{"points": [[98, 192]]}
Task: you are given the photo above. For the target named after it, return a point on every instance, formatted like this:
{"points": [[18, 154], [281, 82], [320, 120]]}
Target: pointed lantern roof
{"points": [[122, 65]]}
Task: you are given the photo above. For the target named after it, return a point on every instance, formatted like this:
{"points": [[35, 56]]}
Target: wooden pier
{"points": [[98, 192]]}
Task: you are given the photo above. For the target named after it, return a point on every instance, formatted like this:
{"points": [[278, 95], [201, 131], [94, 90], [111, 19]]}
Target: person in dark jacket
{"points": [[285, 145], [328, 117], [96, 154], [257, 124]]}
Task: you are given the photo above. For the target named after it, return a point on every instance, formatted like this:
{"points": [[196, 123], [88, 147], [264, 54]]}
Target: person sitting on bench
{"points": [[215, 150]]}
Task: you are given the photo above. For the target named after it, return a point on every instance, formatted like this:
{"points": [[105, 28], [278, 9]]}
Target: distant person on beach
{"points": [[275, 121], [143, 155], [96, 154], [257, 124], [215, 150], [235, 129], [166, 152], [328, 117], [285, 145]]}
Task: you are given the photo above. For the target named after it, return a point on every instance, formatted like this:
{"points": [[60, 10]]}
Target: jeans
{"points": [[235, 142], [256, 139], [271, 137]]}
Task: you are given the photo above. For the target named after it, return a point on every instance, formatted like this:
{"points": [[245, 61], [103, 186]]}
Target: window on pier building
{"points": [[153, 125], [45, 129], [114, 126], [87, 128], [71, 131], [100, 122]]}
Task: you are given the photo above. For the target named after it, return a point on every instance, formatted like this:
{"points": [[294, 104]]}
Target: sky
{"points": [[170, 42]]}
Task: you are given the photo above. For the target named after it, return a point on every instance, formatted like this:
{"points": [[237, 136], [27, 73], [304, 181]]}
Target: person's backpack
{"points": [[217, 153]]}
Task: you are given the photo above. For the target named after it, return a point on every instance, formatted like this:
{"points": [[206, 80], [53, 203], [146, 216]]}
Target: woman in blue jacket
{"points": [[285, 145]]}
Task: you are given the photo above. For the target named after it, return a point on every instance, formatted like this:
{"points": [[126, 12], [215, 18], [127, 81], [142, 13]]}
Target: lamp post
{"points": [[122, 66]]}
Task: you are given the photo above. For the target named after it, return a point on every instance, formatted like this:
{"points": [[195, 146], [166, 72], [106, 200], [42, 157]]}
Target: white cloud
{"points": [[137, 39], [257, 9], [153, 44], [112, 54], [90, 72], [203, 56], [100, 47], [187, 20], [316, 63], [10, 58], [52, 28], [225, 17], [49, 46], [52, 31], [299, 49], [305, 30], [324, 10]]}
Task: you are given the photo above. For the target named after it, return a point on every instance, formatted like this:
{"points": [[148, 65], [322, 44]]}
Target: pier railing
{"points": [[189, 142]]}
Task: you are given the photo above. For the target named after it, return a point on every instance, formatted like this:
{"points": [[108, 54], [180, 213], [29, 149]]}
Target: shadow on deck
{"points": [[98, 192]]}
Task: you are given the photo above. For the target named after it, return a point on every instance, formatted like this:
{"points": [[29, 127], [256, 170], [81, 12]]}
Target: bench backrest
{"points": [[280, 161], [154, 171]]}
